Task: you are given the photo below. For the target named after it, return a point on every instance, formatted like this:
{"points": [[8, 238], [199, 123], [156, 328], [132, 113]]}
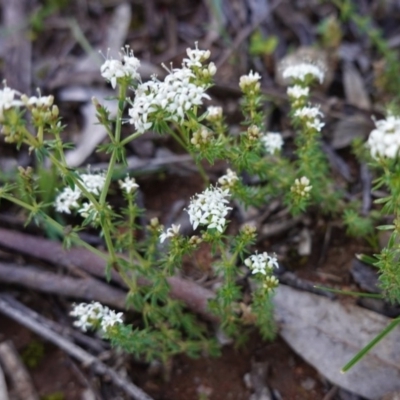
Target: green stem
{"points": [[185, 146], [117, 139], [57, 226], [130, 138]]}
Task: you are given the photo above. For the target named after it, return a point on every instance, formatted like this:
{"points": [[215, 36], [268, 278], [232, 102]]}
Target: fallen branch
{"points": [[195, 296], [72, 349], [86, 288], [17, 373], [3, 386]]}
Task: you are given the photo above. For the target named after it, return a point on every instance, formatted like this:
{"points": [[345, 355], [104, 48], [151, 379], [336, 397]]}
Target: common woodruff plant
{"points": [[175, 106]]}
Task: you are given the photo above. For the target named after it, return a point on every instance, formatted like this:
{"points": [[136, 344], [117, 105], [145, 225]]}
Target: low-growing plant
{"points": [[174, 106]]}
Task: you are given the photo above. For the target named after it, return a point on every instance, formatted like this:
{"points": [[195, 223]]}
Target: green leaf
{"points": [[370, 345], [385, 227]]}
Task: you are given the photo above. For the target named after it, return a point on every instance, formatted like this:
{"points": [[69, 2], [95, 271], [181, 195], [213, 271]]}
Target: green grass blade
{"points": [[350, 293], [370, 345]]}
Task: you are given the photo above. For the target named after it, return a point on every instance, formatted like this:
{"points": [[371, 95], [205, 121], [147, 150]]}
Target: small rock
{"points": [[308, 384]]}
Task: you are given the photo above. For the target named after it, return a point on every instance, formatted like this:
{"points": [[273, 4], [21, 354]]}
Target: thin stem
{"points": [[184, 145], [117, 139], [57, 226], [130, 138]]}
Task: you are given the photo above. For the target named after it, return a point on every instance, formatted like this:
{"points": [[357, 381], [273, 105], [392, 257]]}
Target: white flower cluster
{"points": [[253, 133], [170, 233], [229, 180], [127, 66], [201, 137], [301, 71], [175, 96], [311, 117], [214, 113], [384, 140], [128, 184], [250, 81], [94, 315], [261, 263], [88, 209], [301, 186], [37, 101], [68, 198], [296, 92], [272, 142], [209, 208], [270, 283], [7, 100]]}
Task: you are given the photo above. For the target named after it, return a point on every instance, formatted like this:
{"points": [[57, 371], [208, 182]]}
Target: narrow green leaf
{"points": [[370, 345], [350, 293]]}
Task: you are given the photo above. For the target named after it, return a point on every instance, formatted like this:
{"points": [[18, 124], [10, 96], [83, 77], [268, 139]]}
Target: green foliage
{"points": [[33, 354], [260, 46], [357, 225], [139, 254], [48, 8], [54, 396], [331, 32]]}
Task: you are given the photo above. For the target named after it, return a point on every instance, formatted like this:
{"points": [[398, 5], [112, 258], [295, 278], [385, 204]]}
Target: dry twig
{"points": [[16, 371], [3, 386], [195, 296], [87, 288]]}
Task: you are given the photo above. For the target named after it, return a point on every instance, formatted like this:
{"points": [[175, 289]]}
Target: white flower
{"points": [[201, 137], [209, 208], [384, 140], [39, 102], [272, 142], [261, 263], [127, 66], [229, 180], [302, 70], [297, 91], [7, 100], [214, 113], [67, 200], [310, 116], [129, 185], [88, 209], [196, 57], [90, 315], [301, 186], [308, 112], [211, 69], [171, 232], [175, 97], [110, 319], [93, 182], [250, 80]]}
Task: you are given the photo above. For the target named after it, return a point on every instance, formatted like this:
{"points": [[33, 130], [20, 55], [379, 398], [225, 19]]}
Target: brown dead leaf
{"points": [[327, 334], [354, 87], [350, 128]]}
